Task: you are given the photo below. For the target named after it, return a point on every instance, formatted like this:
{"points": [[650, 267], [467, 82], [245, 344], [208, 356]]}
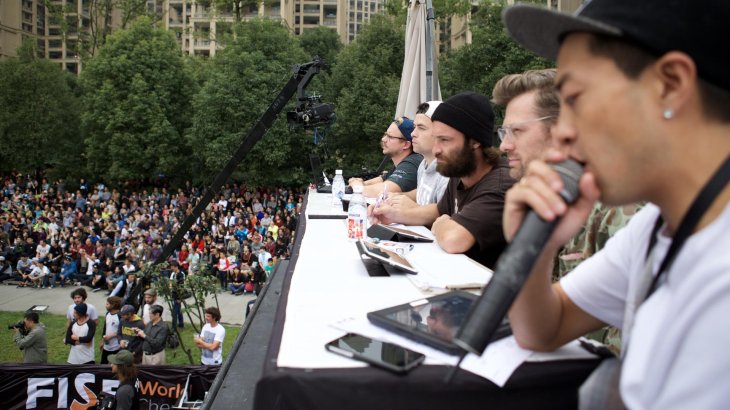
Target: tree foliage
{"points": [[136, 97], [365, 82], [244, 79], [321, 41], [491, 55], [38, 115]]}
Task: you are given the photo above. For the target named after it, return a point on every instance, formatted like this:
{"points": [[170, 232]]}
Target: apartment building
{"points": [[199, 27], [58, 28]]}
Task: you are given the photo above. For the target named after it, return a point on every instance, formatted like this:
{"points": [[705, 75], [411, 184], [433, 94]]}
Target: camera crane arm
{"points": [[303, 74]]}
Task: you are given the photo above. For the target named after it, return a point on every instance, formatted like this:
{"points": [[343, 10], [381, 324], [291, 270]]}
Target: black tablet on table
{"points": [[432, 321]]}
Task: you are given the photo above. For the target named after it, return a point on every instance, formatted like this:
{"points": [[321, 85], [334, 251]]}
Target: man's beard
{"points": [[461, 165]]}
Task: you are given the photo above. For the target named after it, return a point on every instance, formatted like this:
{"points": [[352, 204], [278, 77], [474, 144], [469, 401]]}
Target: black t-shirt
{"points": [[127, 397], [479, 210]]}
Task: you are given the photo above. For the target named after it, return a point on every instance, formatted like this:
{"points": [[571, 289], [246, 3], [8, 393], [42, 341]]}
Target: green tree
{"points": [[321, 41], [365, 83], [244, 79], [491, 55], [136, 97], [39, 114], [198, 286]]}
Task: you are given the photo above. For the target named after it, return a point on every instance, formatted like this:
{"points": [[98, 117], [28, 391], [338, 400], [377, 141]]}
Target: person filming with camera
{"points": [[30, 337]]}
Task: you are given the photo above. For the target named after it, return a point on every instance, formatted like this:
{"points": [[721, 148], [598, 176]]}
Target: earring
{"points": [[668, 114]]}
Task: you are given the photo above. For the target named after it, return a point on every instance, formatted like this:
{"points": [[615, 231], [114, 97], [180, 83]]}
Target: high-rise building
{"points": [[346, 17], [62, 29], [20, 20], [199, 28]]}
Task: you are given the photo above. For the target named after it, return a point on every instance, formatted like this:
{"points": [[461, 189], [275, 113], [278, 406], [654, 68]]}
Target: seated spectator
{"points": [[6, 269], [237, 282], [68, 271]]}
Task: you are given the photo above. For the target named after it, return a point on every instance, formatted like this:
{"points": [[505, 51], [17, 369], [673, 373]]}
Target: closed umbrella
{"points": [[419, 82]]}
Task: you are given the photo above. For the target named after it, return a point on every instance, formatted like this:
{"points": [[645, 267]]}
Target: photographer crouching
{"points": [[30, 337]]}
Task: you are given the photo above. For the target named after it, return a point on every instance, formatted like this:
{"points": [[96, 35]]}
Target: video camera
{"points": [[20, 326], [310, 112]]}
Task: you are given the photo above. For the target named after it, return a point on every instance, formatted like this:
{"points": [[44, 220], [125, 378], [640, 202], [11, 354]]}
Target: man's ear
{"points": [[675, 77]]}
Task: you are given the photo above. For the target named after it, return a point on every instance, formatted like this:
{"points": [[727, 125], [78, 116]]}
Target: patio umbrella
{"points": [[419, 81]]}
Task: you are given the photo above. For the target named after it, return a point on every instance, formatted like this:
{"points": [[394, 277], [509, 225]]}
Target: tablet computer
{"points": [[432, 321], [391, 233], [386, 257]]}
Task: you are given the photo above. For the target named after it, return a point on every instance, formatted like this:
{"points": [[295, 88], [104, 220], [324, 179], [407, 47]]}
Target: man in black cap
{"points": [[645, 105], [468, 218]]}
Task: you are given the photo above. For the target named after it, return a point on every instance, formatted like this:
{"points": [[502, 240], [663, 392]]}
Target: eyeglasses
{"points": [[390, 137], [508, 130]]}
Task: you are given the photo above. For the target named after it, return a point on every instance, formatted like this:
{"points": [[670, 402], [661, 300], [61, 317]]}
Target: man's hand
{"points": [[538, 190], [440, 221], [355, 181], [401, 201]]}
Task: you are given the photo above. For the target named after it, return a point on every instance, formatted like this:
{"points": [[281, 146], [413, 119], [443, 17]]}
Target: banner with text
{"points": [[79, 387]]}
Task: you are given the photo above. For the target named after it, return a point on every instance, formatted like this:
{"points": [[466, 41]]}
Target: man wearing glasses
{"points": [[532, 106], [644, 106], [396, 144]]}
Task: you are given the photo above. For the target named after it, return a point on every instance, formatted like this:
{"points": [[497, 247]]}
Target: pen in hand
{"points": [[379, 201]]}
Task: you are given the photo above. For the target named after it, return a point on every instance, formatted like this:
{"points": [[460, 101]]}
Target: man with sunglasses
{"points": [[396, 144]]}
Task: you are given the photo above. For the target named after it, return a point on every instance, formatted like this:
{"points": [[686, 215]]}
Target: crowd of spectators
{"points": [[59, 233]]}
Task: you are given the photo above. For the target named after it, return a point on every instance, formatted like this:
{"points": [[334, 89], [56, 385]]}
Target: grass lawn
{"points": [[58, 351]]}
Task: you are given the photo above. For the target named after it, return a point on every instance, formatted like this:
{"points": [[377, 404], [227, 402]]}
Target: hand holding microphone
{"points": [[549, 197]]}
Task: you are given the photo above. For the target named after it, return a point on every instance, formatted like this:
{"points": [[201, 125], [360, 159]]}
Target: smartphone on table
{"points": [[385, 355]]}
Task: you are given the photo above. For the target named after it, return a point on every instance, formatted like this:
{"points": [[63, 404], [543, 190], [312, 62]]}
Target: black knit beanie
{"points": [[469, 113]]}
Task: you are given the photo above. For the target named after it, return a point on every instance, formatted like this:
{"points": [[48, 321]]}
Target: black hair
{"points": [[632, 60], [32, 316]]}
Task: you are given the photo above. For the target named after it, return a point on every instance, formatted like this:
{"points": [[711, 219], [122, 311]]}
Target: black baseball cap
{"points": [[697, 28]]}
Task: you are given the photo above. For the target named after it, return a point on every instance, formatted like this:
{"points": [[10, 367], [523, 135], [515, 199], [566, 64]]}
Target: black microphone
{"points": [[513, 268]]}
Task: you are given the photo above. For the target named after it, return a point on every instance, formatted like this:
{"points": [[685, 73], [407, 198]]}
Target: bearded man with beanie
{"points": [[468, 218]]}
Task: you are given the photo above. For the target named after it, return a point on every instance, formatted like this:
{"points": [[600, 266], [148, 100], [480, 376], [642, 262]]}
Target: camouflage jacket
{"points": [[603, 222]]}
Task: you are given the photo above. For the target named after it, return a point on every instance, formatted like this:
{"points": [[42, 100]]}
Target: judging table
{"points": [[326, 282]]}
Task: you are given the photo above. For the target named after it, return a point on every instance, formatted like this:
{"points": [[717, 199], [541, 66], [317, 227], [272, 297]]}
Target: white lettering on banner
{"points": [[155, 406], [34, 392], [62, 392], [40, 387], [109, 386]]}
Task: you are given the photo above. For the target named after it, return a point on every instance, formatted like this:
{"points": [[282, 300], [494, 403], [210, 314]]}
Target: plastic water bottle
{"points": [[357, 215], [338, 189]]}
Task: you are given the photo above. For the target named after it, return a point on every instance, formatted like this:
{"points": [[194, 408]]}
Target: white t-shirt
{"points": [[677, 350], [431, 184], [146, 313], [209, 334], [82, 352], [111, 326], [90, 311]]}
